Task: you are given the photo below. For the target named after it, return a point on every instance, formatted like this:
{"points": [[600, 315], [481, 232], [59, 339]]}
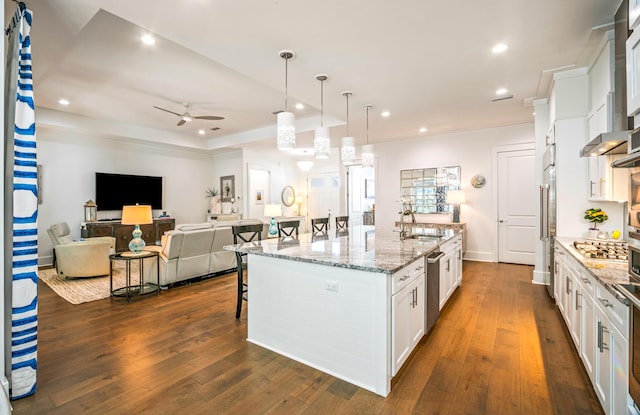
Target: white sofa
{"points": [[196, 250]]}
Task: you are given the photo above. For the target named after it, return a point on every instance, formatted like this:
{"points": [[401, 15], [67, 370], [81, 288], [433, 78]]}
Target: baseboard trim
{"points": [[478, 256], [539, 277]]}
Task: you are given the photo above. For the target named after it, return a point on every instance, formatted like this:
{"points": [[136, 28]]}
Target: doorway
{"points": [[516, 202], [323, 196], [361, 198]]}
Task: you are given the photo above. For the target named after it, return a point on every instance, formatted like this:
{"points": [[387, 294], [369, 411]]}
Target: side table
{"points": [[129, 290]]}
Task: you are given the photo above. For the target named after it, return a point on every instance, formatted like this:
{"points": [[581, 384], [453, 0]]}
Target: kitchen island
{"points": [[327, 301]]}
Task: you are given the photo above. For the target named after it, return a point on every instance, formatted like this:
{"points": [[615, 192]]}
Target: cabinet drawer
{"points": [[617, 312], [407, 274]]}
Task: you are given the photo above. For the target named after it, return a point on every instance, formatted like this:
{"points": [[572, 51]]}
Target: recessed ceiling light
{"points": [[63, 101], [423, 129], [499, 48], [385, 114], [501, 91], [201, 131], [148, 39], [299, 106]]}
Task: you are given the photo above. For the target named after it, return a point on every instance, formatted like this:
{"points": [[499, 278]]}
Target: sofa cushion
{"points": [[194, 227]]}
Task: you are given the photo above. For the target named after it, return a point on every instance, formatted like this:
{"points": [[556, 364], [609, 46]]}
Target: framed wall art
{"points": [[228, 188]]}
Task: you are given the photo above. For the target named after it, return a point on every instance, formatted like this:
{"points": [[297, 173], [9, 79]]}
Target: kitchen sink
{"points": [[425, 237]]}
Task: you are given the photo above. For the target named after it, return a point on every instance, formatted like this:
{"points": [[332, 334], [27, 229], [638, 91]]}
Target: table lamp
{"points": [[136, 215], [455, 197], [273, 211]]}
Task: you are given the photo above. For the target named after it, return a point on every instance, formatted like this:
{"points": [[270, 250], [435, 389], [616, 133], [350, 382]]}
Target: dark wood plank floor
{"points": [[500, 347]]}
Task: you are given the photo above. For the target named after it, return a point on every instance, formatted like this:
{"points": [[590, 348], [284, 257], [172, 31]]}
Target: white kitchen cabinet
{"points": [[604, 182], [634, 13], [596, 320], [407, 309], [633, 72], [611, 371], [450, 268], [576, 298]]}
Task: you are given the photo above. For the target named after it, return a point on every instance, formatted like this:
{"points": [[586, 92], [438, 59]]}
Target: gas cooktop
{"points": [[603, 250]]}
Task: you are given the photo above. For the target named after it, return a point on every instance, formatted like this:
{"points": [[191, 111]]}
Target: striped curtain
{"points": [[21, 209]]}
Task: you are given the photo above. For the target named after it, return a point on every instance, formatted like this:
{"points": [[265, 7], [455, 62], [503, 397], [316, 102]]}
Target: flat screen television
{"points": [[116, 190]]}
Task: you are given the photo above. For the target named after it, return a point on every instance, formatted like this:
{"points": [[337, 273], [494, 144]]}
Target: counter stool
{"points": [[244, 233], [288, 228], [319, 225], [342, 223]]}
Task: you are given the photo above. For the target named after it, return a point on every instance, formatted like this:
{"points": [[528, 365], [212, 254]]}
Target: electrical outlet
{"points": [[331, 285]]}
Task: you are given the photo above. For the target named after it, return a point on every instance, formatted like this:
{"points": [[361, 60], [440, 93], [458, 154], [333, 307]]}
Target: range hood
{"points": [[607, 143]]}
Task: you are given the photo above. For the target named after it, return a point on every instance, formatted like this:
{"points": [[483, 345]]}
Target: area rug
{"points": [[84, 290]]}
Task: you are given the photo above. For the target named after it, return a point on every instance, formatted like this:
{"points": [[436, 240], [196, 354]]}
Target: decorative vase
{"points": [[214, 205], [593, 233]]}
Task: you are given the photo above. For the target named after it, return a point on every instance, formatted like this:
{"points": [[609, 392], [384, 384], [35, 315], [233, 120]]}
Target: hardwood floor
{"points": [[500, 347]]}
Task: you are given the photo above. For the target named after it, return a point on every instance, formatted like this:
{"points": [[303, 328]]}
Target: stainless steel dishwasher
{"points": [[432, 309]]}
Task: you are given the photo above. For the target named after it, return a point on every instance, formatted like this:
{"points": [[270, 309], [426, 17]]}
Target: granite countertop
{"points": [[362, 248], [607, 272]]}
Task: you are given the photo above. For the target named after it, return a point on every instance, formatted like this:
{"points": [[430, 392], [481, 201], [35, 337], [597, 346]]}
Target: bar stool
{"points": [[342, 223], [319, 225], [244, 233], [288, 228]]}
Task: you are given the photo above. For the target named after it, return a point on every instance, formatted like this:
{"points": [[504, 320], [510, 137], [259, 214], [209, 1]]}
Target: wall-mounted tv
{"points": [[116, 190]]}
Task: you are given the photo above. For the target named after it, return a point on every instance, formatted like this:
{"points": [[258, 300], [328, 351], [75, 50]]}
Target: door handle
{"points": [[501, 221]]}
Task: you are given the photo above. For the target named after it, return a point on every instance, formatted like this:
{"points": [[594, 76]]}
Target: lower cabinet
{"points": [[407, 309], [596, 321], [450, 268]]}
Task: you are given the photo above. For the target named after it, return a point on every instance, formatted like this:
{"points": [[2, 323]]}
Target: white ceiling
{"points": [[427, 62]]}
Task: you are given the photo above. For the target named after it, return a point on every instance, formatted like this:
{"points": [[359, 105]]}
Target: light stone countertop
{"points": [[362, 248], [607, 272]]}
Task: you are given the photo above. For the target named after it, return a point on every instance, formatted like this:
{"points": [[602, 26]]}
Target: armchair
{"points": [[88, 258]]}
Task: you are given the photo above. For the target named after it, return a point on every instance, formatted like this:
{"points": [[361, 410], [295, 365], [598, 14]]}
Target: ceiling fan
{"points": [[186, 117]]}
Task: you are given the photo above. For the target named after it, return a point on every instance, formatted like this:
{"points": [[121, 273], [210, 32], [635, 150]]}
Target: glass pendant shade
{"points": [[367, 155], [321, 143], [348, 150], [286, 130]]}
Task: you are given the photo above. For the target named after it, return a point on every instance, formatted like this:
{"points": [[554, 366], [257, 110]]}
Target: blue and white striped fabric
{"points": [[24, 307]]}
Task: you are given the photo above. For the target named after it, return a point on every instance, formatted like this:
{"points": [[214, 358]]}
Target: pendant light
{"points": [[348, 149], [367, 149], [322, 141], [286, 135]]}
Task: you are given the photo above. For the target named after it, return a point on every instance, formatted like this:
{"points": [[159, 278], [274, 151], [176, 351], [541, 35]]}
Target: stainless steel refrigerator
{"points": [[548, 213]]}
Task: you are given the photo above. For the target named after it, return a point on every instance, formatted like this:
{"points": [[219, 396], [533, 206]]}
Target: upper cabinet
{"points": [[633, 73], [634, 14]]}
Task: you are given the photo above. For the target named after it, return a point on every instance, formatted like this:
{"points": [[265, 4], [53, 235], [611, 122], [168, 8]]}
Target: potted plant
{"points": [[212, 193], [595, 216]]}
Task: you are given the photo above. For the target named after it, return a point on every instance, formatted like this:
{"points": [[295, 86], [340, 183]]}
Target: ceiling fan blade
{"points": [[171, 112], [209, 117], [181, 122]]}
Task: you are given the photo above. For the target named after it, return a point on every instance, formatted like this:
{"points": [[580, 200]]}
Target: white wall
{"points": [[472, 151], [69, 161]]}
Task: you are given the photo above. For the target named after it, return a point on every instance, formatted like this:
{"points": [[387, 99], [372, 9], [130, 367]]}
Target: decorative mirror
{"points": [[288, 196], [426, 189]]}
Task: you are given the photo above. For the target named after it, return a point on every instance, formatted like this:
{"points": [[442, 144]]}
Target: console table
{"points": [[151, 233]]}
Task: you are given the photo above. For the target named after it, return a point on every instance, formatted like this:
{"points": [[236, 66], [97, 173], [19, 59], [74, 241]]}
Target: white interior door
{"points": [[324, 196], [517, 200], [355, 194]]}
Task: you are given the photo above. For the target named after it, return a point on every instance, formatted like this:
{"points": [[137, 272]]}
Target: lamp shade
{"points": [[322, 143], [305, 165], [272, 210], [136, 215], [456, 197], [368, 157], [286, 130], [348, 150]]}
